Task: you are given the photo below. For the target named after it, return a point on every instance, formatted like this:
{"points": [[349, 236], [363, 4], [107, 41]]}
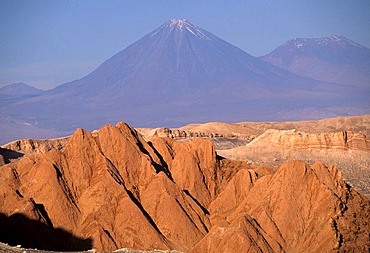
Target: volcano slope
{"points": [[169, 74], [114, 190]]}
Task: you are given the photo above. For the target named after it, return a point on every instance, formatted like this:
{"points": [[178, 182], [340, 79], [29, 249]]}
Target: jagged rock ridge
{"points": [[120, 191]]}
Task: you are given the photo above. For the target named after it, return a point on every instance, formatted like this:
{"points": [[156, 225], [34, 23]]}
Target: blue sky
{"points": [[47, 43]]}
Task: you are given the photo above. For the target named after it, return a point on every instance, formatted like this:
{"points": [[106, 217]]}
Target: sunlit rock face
{"points": [[112, 189]]}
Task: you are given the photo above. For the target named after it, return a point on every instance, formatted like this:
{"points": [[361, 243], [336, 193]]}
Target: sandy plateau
{"points": [[215, 187]]}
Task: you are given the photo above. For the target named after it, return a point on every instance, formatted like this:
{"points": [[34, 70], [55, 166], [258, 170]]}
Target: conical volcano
{"points": [[178, 61], [178, 74]]}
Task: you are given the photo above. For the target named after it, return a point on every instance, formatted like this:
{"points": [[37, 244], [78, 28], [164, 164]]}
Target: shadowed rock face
{"points": [[18, 229], [123, 192]]}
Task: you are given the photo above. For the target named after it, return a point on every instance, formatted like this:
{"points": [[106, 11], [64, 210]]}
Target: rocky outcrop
{"points": [[347, 150], [28, 146], [117, 189], [296, 209], [178, 133], [249, 130], [290, 139], [112, 189], [222, 139], [16, 149], [225, 135]]}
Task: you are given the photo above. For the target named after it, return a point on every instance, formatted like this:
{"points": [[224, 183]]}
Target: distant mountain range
{"points": [[333, 59], [19, 89], [181, 73]]}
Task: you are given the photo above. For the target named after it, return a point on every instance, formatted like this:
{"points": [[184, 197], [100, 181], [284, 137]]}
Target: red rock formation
{"points": [[288, 139], [123, 192], [28, 146], [116, 189], [296, 209]]}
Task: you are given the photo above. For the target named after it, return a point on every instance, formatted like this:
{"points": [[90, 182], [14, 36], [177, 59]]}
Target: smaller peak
{"points": [[79, 132], [323, 41]]}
